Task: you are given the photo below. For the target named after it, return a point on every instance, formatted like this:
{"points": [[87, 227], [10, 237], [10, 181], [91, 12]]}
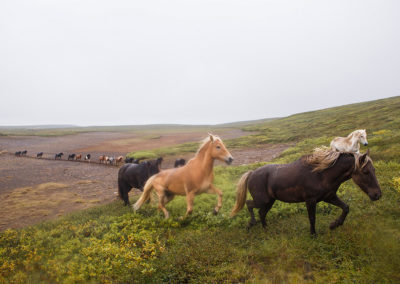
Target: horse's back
{"points": [[283, 182]]}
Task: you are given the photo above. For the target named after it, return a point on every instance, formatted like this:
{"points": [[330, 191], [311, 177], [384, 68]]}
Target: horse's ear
{"points": [[211, 137]]}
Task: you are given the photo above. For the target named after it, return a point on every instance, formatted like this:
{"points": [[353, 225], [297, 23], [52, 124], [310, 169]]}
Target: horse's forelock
{"points": [[204, 142]]}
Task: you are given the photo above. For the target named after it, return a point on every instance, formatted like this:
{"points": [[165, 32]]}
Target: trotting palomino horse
{"points": [[351, 143], [135, 175], [194, 178], [310, 179]]}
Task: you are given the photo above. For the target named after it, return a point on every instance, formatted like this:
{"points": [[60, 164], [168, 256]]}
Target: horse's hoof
{"points": [[215, 212]]}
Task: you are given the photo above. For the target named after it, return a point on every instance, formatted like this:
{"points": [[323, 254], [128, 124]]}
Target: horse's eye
{"points": [[218, 147]]}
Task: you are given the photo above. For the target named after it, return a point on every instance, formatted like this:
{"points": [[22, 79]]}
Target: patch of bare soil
{"points": [[33, 190]]}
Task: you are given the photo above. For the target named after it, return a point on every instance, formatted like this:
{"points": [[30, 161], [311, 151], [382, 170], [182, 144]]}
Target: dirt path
{"points": [[33, 190]]}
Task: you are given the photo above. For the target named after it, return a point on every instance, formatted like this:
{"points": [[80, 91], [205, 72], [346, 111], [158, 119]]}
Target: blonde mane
{"points": [[323, 158], [204, 142]]}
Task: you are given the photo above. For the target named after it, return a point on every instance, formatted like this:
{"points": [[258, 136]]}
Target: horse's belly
{"points": [[290, 194]]}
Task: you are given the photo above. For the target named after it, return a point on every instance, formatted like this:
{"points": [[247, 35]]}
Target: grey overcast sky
{"points": [[192, 62]]}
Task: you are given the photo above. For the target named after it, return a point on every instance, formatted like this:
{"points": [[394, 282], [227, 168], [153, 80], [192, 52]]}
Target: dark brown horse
{"points": [[311, 179]]}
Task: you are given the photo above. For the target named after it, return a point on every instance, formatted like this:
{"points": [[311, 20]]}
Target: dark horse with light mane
{"points": [[311, 179], [135, 175]]}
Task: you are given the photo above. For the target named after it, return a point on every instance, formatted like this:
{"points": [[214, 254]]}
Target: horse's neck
{"points": [[204, 160], [343, 169], [354, 139]]}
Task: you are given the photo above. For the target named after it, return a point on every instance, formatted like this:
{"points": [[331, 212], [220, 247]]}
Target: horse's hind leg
{"points": [[337, 202], [161, 201], [250, 206], [123, 190], [263, 212]]}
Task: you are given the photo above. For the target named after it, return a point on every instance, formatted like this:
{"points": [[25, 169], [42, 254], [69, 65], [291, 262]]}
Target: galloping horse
{"points": [[310, 179], [194, 178], [39, 155], [87, 157], [78, 157], [71, 157], [23, 153], [351, 143], [18, 154]]}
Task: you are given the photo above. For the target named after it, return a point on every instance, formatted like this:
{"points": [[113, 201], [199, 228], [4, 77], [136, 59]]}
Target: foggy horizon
{"points": [[103, 63]]}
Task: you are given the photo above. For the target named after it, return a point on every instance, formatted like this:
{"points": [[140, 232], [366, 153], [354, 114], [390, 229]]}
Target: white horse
{"points": [[350, 143]]}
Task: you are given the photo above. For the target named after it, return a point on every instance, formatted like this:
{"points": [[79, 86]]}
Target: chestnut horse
{"points": [[194, 178], [310, 179], [102, 159], [78, 157]]}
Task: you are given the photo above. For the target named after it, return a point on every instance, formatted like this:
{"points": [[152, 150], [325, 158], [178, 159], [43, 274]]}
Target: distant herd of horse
{"points": [[103, 159], [311, 179]]}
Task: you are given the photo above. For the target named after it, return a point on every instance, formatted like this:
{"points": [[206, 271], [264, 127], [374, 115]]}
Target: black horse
{"points": [[58, 156], [23, 153], [311, 179], [129, 160], [18, 154], [179, 163], [39, 155], [71, 157], [132, 160], [135, 175]]}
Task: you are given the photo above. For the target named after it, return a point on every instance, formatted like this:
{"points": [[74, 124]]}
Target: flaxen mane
{"points": [[205, 141], [323, 158]]}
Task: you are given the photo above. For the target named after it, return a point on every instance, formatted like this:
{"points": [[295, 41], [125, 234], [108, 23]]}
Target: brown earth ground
{"points": [[34, 190]]}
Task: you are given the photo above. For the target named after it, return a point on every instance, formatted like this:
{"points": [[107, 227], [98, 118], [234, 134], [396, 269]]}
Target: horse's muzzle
{"points": [[375, 196], [365, 144], [229, 160]]}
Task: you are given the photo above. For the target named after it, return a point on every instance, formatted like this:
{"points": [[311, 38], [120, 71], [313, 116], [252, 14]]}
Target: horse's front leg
{"points": [[339, 203], [311, 206], [218, 192], [190, 201]]}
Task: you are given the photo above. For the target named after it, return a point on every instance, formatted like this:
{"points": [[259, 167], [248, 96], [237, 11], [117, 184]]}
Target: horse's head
{"points": [[362, 136], [154, 166], [219, 151], [364, 176]]}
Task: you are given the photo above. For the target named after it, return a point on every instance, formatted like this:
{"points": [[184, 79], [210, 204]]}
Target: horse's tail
{"points": [[146, 193], [241, 193]]}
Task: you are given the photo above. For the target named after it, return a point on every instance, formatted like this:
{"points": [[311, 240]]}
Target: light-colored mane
{"points": [[204, 142], [323, 158]]}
